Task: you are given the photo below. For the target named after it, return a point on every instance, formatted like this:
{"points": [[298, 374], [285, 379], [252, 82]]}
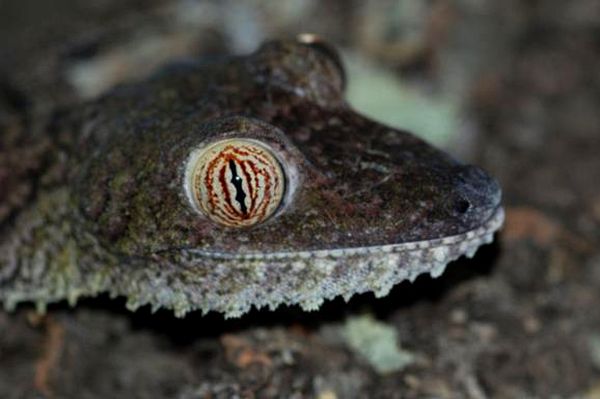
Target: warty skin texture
{"points": [[366, 205]]}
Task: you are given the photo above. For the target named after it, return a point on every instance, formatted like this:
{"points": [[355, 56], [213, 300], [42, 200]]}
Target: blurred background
{"points": [[513, 86]]}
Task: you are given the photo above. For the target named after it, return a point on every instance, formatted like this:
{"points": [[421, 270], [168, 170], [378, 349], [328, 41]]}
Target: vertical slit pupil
{"points": [[236, 180]]}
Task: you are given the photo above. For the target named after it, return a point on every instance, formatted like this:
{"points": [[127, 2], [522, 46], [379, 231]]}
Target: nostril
{"points": [[461, 205], [479, 188]]}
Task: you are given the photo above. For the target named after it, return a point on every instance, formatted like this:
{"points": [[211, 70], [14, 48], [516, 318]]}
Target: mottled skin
{"points": [[105, 207]]}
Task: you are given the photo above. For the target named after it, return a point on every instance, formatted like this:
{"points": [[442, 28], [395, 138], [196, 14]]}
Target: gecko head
{"points": [[255, 170], [282, 164]]}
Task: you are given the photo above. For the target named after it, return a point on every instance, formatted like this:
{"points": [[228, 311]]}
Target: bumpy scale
{"points": [[226, 184]]}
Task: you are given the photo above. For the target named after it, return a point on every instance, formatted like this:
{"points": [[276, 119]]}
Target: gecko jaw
{"points": [[304, 278]]}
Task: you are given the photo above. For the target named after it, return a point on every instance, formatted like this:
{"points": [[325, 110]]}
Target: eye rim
{"points": [[193, 168]]}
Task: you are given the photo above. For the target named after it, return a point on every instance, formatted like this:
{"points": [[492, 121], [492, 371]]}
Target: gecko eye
{"points": [[235, 182]]}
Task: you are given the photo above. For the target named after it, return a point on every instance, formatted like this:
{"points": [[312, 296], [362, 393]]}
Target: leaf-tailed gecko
{"points": [[230, 183]]}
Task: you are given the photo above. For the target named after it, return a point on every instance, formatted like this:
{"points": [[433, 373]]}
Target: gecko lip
{"points": [[483, 231]]}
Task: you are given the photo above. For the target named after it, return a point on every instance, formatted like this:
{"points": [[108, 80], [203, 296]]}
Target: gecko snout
{"points": [[478, 194]]}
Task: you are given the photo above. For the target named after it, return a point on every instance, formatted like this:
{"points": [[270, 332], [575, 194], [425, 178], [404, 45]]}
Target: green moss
{"points": [[377, 343]]}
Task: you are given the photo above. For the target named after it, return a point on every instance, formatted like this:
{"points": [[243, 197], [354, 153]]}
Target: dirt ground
{"points": [[519, 320]]}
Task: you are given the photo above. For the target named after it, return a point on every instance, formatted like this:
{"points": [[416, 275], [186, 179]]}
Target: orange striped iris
{"points": [[236, 182]]}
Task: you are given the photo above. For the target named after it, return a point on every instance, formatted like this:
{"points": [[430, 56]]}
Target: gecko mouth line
{"points": [[488, 228]]}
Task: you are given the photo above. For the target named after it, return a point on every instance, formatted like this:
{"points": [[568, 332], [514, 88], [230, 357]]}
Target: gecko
{"points": [[230, 183]]}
